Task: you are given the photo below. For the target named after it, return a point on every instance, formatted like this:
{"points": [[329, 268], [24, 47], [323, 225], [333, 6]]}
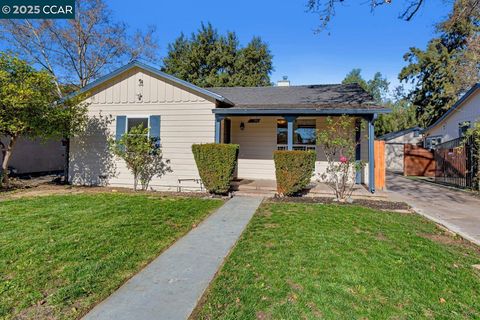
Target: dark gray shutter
{"points": [[155, 129], [121, 126]]}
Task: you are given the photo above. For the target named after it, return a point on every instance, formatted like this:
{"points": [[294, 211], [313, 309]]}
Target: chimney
{"points": [[284, 82]]}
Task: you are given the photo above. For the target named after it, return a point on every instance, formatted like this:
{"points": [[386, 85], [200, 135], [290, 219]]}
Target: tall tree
{"points": [[27, 107], [448, 67], [209, 59], [355, 76], [77, 51], [377, 86], [403, 114]]}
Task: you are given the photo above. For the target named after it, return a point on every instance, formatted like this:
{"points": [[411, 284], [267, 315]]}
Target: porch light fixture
{"points": [[242, 126]]}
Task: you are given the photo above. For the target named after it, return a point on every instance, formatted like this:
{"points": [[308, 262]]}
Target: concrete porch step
{"points": [[255, 193]]}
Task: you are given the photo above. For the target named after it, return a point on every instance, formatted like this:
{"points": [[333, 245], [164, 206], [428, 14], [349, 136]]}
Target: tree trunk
{"points": [[135, 181], [66, 165], [6, 160]]}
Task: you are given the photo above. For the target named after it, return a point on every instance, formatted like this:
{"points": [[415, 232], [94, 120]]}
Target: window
{"points": [[135, 122], [304, 132], [282, 131], [432, 142], [463, 128]]}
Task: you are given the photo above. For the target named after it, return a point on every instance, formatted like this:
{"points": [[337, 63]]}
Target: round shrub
{"points": [[293, 170]]}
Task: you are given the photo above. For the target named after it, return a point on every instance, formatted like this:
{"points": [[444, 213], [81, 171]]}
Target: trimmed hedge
{"points": [[293, 170], [216, 164]]}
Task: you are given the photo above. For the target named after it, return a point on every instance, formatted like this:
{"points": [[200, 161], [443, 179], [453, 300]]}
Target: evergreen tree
{"points": [[355, 76], [403, 115], [377, 87], [403, 112], [448, 67], [208, 59]]}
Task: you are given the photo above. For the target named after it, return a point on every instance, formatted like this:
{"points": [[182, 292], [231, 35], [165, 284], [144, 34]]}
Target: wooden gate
{"points": [[379, 156], [456, 164], [418, 161]]}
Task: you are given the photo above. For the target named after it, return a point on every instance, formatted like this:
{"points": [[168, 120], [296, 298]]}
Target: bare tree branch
{"points": [[411, 10], [80, 50], [326, 9]]}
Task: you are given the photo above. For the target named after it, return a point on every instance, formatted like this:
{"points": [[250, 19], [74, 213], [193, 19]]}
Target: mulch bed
{"points": [[373, 204]]}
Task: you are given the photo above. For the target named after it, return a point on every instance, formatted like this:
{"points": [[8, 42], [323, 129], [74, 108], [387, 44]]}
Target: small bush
{"points": [[293, 170], [216, 164]]}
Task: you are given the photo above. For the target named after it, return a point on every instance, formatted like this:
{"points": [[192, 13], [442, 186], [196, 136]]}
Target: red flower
{"points": [[343, 159]]}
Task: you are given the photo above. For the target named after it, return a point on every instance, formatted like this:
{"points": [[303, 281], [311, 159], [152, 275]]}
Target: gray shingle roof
{"points": [[329, 96]]}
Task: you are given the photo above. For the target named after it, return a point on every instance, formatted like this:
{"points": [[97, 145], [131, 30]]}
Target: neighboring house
{"points": [[456, 121], [395, 145], [37, 156], [259, 119]]}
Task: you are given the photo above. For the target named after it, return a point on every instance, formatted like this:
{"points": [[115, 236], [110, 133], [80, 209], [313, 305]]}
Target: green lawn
{"points": [[307, 261], [60, 255]]}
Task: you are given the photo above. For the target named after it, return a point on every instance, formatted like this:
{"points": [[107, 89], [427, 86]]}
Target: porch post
{"points": [[290, 122], [358, 149], [218, 128], [371, 154]]}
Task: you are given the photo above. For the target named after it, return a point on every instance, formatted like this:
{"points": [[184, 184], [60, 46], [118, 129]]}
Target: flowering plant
{"points": [[338, 142]]}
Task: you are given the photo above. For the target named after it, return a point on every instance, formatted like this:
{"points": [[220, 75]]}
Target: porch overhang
{"points": [[296, 112], [370, 115]]}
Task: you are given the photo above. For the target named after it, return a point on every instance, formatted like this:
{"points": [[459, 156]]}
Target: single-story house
{"points": [[259, 119], [395, 144], [456, 121]]}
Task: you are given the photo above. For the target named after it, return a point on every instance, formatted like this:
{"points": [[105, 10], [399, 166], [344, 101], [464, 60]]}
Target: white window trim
{"points": [[138, 117]]}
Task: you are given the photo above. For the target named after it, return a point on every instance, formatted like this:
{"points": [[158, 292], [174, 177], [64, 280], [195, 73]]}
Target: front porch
{"points": [[265, 119], [249, 187], [260, 134]]}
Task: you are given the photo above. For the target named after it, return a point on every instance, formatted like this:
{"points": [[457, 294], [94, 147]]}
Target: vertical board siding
{"points": [[183, 123]]}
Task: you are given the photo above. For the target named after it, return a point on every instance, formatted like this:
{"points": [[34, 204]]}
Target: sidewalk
{"points": [[170, 286]]}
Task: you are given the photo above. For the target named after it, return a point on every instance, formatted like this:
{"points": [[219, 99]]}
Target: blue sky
{"points": [[356, 37]]}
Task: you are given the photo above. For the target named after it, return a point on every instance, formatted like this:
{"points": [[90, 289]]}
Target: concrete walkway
{"points": [[456, 210], [170, 287]]}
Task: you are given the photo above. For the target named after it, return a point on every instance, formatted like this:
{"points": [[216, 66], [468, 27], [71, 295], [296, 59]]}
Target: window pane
{"points": [[282, 131], [305, 132], [134, 122]]}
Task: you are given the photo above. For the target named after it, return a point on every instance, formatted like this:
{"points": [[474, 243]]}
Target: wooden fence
{"points": [[418, 161], [380, 168]]}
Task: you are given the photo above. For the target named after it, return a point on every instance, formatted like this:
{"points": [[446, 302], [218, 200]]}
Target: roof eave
{"points": [[396, 134], [305, 111], [454, 107]]}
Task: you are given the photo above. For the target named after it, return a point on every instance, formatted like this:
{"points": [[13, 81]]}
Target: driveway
{"points": [[457, 210]]}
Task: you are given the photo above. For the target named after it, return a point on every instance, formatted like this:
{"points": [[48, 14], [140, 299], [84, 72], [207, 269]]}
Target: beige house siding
{"points": [[468, 111], [258, 141], [186, 118]]}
